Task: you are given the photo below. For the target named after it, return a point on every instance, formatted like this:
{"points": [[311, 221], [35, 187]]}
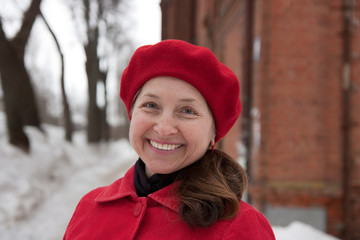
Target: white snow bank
{"points": [[300, 231], [39, 192]]}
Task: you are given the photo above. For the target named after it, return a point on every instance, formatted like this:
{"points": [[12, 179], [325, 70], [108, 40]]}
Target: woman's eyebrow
{"points": [[188, 100], [185, 100], [150, 95]]}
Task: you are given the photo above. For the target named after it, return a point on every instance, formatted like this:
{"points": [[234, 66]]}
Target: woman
{"points": [[180, 100]]}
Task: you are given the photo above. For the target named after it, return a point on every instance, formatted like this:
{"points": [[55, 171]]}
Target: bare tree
{"points": [[101, 35], [19, 98], [66, 108]]}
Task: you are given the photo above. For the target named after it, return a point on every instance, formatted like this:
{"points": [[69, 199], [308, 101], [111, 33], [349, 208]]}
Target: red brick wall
{"points": [[298, 93], [304, 151], [298, 82], [354, 126], [178, 19]]}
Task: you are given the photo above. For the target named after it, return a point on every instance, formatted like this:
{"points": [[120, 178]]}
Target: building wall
{"points": [[298, 95], [353, 126], [308, 154], [299, 124]]}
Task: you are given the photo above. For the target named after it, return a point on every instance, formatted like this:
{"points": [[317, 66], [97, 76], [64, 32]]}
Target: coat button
{"points": [[137, 209]]}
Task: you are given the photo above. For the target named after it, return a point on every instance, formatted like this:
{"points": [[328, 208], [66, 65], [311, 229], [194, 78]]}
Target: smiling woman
{"points": [[180, 100]]}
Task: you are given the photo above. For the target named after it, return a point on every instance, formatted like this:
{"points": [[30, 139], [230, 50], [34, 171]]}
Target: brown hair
{"points": [[210, 189]]}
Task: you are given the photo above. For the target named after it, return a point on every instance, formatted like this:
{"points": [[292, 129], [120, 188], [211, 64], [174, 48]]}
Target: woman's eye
{"points": [[150, 105], [188, 111]]}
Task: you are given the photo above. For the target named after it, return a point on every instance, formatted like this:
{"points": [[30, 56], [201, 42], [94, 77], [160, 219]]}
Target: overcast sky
{"points": [[148, 15]]}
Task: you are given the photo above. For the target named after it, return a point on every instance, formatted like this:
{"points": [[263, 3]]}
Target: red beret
{"points": [[193, 64]]}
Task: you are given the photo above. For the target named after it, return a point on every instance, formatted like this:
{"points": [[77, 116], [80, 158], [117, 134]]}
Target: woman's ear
{"points": [[212, 145]]}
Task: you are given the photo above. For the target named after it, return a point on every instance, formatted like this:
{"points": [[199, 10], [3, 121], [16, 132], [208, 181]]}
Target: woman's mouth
{"points": [[164, 147]]}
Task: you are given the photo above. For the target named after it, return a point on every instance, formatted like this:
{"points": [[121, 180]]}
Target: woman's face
{"points": [[171, 125]]}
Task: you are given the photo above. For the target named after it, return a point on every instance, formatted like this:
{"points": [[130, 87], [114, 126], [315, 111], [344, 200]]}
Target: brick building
{"points": [[298, 66]]}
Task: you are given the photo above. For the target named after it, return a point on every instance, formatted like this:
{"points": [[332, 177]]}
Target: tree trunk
{"points": [[19, 98], [98, 128], [105, 125], [68, 125]]}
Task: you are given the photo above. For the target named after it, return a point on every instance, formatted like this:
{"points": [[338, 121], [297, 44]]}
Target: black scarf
{"points": [[144, 185]]}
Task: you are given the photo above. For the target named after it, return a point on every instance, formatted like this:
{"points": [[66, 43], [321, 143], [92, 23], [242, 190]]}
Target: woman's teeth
{"points": [[166, 147]]}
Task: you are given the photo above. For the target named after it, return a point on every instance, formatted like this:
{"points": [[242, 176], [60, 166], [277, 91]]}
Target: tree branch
{"points": [[67, 114], [22, 36]]}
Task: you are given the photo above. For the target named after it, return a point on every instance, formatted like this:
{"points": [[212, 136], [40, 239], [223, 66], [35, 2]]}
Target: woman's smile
{"points": [[164, 146]]}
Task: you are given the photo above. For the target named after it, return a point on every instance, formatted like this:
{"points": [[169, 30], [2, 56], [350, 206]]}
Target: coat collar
{"points": [[124, 187]]}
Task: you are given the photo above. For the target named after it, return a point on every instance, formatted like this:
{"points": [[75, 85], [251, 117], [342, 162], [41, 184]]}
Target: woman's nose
{"points": [[166, 125]]}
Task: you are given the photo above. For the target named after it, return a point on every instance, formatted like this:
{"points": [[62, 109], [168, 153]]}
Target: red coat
{"points": [[116, 212]]}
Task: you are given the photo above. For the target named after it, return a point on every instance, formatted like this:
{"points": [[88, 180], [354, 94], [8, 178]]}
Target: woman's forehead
{"points": [[159, 86]]}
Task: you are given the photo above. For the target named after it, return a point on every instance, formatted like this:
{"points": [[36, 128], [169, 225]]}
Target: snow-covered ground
{"points": [[39, 191]]}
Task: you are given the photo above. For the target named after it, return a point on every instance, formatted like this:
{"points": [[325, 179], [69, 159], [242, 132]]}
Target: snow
{"points": [[300, 231], [39, 191]]}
